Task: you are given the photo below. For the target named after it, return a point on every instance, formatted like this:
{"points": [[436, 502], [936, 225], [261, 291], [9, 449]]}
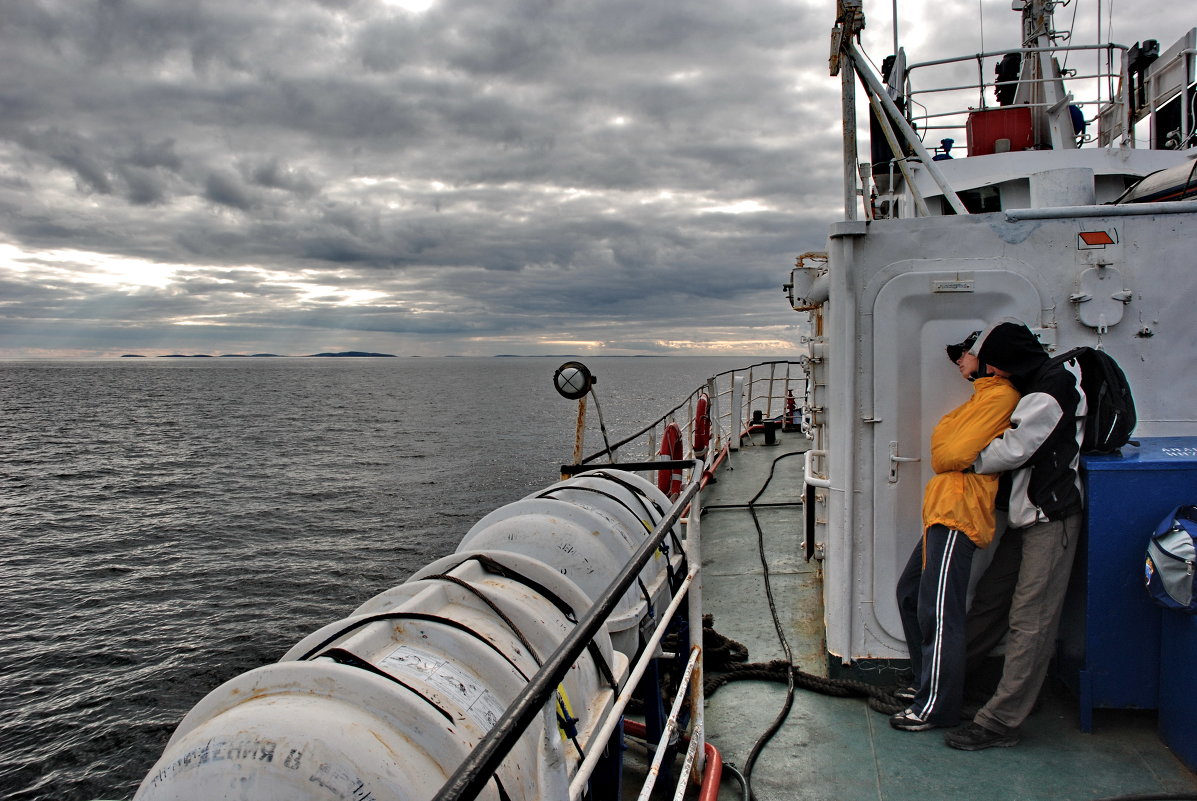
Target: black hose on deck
{"points": [[785, 645], [785, 670], [735, 772]]}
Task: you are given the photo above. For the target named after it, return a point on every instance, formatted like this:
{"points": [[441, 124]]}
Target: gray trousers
{"points": [[1047, 553], [989, 613]]}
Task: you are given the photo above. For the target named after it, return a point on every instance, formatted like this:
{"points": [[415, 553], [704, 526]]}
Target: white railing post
{"points": [[713, 410], [694, 612], [736, 413]]}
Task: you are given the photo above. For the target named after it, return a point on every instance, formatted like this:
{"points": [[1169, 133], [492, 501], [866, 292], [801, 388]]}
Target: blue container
{"points": [[1110, 633], [1178, 702]]}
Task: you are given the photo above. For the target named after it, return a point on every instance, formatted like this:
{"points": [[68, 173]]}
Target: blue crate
{"points": [[1178, 701], [1110, 634]]}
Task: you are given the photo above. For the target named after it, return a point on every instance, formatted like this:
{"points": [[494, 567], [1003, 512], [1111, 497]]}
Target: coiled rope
{"points": [[880, 699]]}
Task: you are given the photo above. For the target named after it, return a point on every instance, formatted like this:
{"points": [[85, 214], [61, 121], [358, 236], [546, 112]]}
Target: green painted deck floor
{"points": [[835, 748]]}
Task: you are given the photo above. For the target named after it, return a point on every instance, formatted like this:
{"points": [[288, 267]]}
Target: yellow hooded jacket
{"points": [[959, 500]]}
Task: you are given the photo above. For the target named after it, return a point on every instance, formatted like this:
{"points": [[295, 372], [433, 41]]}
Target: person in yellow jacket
{"points": [[958, 518]]}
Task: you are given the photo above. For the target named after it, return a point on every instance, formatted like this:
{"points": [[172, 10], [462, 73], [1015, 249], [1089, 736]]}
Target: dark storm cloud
{"points": [[74, 153], [227, 189]]}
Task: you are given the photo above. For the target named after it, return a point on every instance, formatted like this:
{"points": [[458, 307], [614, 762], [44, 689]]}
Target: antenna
{"points": [[895, 26]]}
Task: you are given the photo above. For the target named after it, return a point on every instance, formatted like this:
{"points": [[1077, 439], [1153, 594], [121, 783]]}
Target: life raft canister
{"points": [[702, 425], [670, 481]]}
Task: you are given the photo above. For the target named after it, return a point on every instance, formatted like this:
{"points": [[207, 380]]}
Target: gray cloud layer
{"points": [[249, 175]]}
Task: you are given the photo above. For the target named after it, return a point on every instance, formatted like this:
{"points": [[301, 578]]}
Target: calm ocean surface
{"points": [[167, 524]]}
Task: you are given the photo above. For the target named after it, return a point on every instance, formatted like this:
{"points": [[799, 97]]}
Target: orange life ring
{"points": [[702, 425], [670, 481]]}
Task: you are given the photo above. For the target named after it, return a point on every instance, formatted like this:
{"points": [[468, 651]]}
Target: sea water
{"points": [[167, 524]]}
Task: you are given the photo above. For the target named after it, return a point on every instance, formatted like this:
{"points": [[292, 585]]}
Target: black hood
{"points": [[958, 350], [1013, 348]]}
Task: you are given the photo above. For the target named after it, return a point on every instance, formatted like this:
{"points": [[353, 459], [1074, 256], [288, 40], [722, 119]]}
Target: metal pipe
{"points": [[580, 431], [1128, 210], [848, 96], [693, 548], [605, 731], [892, 139], [895, 18], [713, 394], [808, 470], [1021, 50], [687, 765], [602, 426], [672, 464], [654, 769], [861, 67], [711, 775], [843, 428], [479, 767], [720, 506]]}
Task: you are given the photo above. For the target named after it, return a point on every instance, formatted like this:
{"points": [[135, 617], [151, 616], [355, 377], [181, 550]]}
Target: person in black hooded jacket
{"points": [[1041, 451]]}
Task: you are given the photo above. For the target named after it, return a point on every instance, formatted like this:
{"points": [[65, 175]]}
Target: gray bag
{"points": [[1171, 561]]}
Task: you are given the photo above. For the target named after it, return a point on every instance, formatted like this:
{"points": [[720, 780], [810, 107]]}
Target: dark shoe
{"points": [[975, 737], [906, 694], [906, 720]]}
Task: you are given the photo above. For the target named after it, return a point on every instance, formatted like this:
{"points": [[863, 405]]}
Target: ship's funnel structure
{"points": [[386, 703]]}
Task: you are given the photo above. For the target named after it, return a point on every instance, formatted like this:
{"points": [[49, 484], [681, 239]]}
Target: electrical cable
{"points": [[735, 772], [784, 669], [785, 645]]}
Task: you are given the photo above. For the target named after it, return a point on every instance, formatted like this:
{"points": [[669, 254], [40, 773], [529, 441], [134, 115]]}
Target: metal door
{"points": [[915, 314]]}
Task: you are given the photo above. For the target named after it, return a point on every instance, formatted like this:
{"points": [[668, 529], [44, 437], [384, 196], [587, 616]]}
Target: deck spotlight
{"points": [[573, 380]]}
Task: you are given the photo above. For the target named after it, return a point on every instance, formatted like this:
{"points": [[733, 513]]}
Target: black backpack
{"points": [[1111, 417]]}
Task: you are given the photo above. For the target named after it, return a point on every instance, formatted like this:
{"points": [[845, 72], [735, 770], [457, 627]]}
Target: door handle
{"points": [[894, 459]]}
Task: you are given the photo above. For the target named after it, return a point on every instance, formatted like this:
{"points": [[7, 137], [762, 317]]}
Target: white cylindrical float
{"points": [[387, 702]]}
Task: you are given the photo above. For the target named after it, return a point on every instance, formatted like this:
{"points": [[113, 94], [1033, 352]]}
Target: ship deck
{"points": [[838, 748]]}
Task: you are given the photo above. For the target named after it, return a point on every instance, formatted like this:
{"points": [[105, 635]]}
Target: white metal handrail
{"points": [[690, 590], [1107, 96], [767, 387]]}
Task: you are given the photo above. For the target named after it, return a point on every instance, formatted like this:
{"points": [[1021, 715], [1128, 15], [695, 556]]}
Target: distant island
{"points": [[347, 353], [357, 353]]}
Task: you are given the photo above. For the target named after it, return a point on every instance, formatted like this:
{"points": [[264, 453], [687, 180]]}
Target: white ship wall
{"points": [[903, 289]]}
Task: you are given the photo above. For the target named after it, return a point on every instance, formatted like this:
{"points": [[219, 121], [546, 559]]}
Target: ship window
{"points": [[981, 200]]}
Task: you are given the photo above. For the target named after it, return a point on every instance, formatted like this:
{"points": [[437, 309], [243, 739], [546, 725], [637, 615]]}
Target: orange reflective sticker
{"points": [[1096, 238]]}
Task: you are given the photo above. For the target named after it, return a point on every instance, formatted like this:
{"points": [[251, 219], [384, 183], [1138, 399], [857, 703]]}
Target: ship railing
{"points": [[937, 100], [1120, 90], [767, 390], [774, 389], [480, 766]]}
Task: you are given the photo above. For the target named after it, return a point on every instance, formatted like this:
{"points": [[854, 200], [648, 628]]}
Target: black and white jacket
{"points": [[1042, 448]]}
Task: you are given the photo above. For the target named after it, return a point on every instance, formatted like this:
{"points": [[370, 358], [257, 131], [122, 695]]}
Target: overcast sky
{"points": [[433, 176]]}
